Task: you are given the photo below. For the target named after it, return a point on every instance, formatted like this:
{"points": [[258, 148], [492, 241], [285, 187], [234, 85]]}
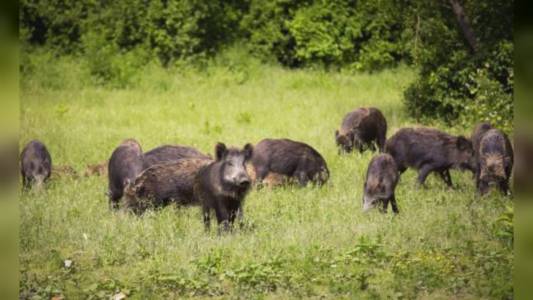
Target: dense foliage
{"points": [[455, 82]]}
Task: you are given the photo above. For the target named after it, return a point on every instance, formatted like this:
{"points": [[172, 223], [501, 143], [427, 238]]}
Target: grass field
{"points": [[298, 242]]}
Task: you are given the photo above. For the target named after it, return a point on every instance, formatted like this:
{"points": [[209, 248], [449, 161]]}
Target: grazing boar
{"points": [[164, 184], [223, 184], [430, 150], [360, 129], [168, 153], [381, 179], [35, 164], [287, 160], [125, 164], [495, 161], [99, 169]]}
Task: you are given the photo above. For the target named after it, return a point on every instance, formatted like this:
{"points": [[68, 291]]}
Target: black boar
{"points": [[430, 150], [360, 129], [125, 164], [99, 169], [290, 160], [168, 153], [164, 184], [495, 161], [222, 185], [381, 179], [35, 164]]}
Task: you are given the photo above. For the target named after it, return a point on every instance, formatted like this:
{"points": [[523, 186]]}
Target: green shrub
{"points": [[456, 84]]}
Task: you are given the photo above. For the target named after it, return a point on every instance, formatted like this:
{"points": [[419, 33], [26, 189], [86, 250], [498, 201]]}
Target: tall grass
{"points": [[298, 242]]}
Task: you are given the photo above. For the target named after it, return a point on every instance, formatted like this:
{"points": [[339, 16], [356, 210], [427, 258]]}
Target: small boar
{"points": [[381, 179], [223, 184], [495, 161], [286, 160], [99, 169], [35, 164], [360, 129], [168, 153], [430, 150], [164, 184], [125, 163]]}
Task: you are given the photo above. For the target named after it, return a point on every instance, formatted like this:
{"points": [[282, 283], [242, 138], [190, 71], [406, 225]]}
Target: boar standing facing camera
{"points": [[223, 184], [495, 161], [430, 150], [125, 164], [35, 164], [381, 179], [286, 160], [360, 129]]}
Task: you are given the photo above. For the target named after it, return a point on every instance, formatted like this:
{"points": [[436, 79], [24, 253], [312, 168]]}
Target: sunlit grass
{"points": [[297, 242]]}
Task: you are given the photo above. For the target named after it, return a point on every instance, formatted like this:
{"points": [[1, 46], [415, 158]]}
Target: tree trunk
{"points": [[468, 33]]}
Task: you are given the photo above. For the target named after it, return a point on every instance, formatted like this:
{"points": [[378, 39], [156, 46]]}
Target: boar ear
{"points": [[220, 151], [463, 143], [248, 150]]}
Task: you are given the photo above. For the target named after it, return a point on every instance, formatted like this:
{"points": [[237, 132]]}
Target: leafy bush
{"points": [[456, 83], [364, 35]]}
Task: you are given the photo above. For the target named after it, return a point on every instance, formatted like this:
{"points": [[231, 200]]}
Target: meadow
{"points": [[312, 242]]}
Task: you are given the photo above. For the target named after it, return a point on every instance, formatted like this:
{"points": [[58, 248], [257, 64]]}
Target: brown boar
{"points": [[164, 184], [125, 164], [430, 150], [381, 179], [223, 184], [495, 161], [284, 160], [360, 129], [35, 164]]}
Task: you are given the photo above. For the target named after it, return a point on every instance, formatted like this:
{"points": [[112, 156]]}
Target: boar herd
{"points": [[183, 176]]}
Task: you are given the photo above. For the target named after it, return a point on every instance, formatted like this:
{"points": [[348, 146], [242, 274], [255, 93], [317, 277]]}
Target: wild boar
{"points": [[360, 129], [430, 150], [125, 163], [223, 184], [98, 169], [35, 164], [168, 153], [381, 179], [164, 184], [287, 159], [495, 161]]}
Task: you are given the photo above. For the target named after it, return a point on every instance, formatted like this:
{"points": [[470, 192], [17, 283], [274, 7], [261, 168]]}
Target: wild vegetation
{"points": [[297, 242], [196, 72]]}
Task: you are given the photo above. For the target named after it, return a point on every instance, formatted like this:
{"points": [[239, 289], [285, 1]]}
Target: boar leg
{"points": [[445, 175], [207, 217], [483, 187], [504, 187], [423, 173], [381, 141], [223, 217], [393, 204]]}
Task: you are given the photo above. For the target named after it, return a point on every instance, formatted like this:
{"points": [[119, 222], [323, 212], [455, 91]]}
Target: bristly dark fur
{"points": [[495, 160], [291, 160], [360, 129], [35, 164], [216, 193], [125, 163], [380, 184], [168, 153], [164, 184], [430, 150]]}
